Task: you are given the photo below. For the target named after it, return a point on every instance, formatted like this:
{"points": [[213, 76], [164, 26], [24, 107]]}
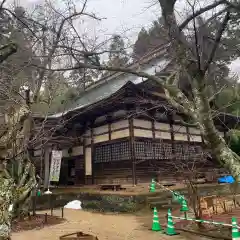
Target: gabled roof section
{"points": [[109, 85], [90, 104], [160, 51]]}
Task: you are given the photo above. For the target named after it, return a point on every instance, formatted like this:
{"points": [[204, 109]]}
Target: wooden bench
{"points": [[78, 236], [113, 187]]}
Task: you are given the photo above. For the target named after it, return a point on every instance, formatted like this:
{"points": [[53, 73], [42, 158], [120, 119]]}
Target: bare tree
{"points": [[45, 30], [194, 56]]}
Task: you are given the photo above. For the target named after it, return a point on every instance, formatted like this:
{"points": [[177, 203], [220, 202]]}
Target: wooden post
{"points": [[171, 122], [109, 118], [188, 133], [45, 218], [47, 159], [153, 129], [132, 149], [92, 154]]}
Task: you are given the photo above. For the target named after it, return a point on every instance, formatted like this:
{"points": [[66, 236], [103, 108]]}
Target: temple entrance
{"points": [[79, 171], [67, 173], [72, 171]]}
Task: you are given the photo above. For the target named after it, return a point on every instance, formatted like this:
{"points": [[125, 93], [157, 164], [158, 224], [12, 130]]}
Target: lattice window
{"points": [[112, 152], [185, 152], [140, 150], [125, 154], [149, 150], [144, 150], [98, 155], [167, 148], [178, 151], [158, 150], [106, 150]]}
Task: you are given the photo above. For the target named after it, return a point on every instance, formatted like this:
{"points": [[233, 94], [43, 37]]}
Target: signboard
{"points": [[55, 166]]}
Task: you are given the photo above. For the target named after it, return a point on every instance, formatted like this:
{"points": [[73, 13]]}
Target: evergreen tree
{"points": [[141, 46], [117, 52], [148, 40]]}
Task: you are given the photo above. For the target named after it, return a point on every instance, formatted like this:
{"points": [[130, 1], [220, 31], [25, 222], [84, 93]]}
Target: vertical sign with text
{"points": [[55, 166]]}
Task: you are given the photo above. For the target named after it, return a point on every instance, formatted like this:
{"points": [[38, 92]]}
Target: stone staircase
{"points": [[161, 200]]}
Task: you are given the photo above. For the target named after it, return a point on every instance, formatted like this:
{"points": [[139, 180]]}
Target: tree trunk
{"points": [[225, 156], [6, 200]]}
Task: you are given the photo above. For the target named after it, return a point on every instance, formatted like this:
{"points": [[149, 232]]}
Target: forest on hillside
{"points": [[59, 91]]}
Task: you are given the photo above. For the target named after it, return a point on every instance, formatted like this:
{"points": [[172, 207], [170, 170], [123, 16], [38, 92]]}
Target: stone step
{"points": [[160, 201], [161, 206], [159, 198]]}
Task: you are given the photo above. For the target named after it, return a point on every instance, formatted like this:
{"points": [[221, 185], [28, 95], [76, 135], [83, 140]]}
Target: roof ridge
{"points": [[147, 57]]}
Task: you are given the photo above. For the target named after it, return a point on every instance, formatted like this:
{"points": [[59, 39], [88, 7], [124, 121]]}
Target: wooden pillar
{"points": [[153, 146], [132, 149], [171, 122], [153, 129], [109, 120], [188, 134], [47, 159], [92, 150]]}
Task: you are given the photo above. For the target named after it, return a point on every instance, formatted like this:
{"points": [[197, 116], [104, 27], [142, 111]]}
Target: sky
{"points": [[124, 17]]}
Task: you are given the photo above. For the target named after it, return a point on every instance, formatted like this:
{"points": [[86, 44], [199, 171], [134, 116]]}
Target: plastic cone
{"points": [[235, 233], [170, 226], [152, 186], [184, 207], [175, 196], [181, 198], [38, 193], [155, 224]]}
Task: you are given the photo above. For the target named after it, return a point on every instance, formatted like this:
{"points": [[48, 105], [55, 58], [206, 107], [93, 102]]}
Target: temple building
{"points": [[122, 130]]}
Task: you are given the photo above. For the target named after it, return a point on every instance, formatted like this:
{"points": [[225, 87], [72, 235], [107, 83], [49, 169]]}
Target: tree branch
{"points": [[232, 5], [199, 12], [9, 49], [217, 41], [217, 93]]}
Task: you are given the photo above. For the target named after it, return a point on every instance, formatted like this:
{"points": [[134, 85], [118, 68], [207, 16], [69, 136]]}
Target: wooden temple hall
{"points": [[122, 130]]}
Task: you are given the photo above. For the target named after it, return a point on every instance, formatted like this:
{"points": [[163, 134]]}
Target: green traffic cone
{"points": [[38, 193], [170, 226], [152, 186], [181, 198], [175, 196], [235, 233], [155, 224], [184, 207]]}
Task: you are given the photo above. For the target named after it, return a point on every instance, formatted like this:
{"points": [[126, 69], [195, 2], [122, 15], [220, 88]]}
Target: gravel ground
{"points": [[104, 226]]}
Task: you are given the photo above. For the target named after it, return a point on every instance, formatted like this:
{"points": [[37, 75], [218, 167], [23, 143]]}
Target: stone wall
{"points": [[92, 201], [120, 203]]}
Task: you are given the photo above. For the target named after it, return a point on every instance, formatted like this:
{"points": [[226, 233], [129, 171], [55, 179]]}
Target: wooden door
{"points": [[79, 170]]}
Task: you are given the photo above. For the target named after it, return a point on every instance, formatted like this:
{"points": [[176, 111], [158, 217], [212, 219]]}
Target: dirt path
{"points": [[114, 227]]}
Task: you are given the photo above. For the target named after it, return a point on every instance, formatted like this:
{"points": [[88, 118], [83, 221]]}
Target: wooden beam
{"points": [[188, 133], [109, 120], [132, 149], [171, 122], [92, 150]]}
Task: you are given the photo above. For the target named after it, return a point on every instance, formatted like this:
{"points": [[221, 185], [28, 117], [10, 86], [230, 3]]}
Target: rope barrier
{"points": [[205, 221], [165, 188]]}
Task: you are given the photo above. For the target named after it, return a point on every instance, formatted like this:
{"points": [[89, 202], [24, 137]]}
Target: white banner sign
{"points": [[55, 166]]}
